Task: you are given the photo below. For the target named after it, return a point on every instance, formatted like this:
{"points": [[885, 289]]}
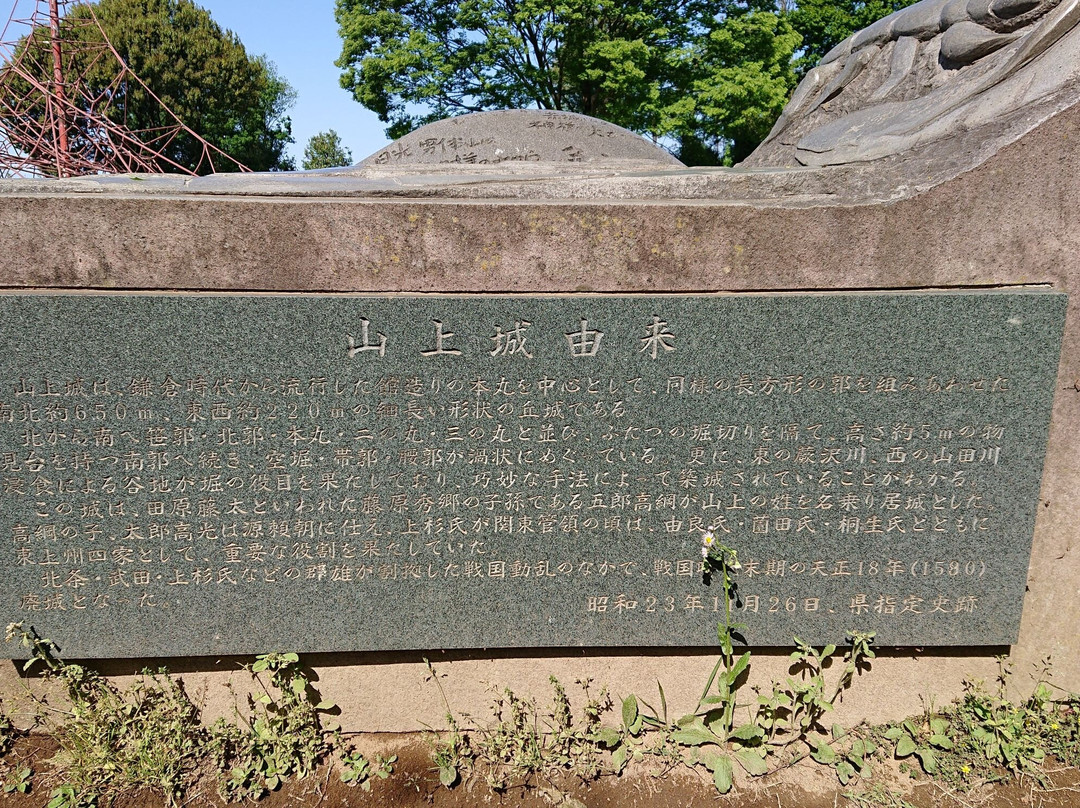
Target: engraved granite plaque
{"points": [[190, 474]]}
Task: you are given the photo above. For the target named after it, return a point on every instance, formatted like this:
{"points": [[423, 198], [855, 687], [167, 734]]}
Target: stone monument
{"points": [[353, 473], [573, 366], [520, 136]]}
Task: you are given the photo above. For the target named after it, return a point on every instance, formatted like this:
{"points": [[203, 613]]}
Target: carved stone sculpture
{"points": [[924, 73]]}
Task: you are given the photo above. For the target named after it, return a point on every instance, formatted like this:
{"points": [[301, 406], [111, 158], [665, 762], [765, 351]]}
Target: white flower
{"points": [[708, 539], [704, 552]]}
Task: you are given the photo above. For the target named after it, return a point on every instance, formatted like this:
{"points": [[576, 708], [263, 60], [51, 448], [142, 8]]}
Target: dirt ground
{"points": [[414, 783]]}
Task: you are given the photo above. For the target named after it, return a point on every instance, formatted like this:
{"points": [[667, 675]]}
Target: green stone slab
{"points": [[197, 474]]}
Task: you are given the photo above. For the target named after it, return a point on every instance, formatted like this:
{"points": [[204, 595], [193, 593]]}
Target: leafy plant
{"points": [[20, 781], [111, 742], [280, 735], [522, 742], [514, 746], [65, 796], [451, 751], [912, 740], [357, 770], [804, 702], [850, 762], [716, 736], [577, 747], [986, 737], [149, 737], [1001, 730]]}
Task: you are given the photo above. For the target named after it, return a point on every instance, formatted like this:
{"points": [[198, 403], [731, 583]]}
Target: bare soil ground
{"points": [[415, 783]]}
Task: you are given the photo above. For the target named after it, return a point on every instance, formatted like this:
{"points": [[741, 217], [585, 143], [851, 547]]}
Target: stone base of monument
{"points": [[482, 414]]}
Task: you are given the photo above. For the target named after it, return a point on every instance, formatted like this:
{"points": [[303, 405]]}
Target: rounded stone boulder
{"points": [[520, 136]]}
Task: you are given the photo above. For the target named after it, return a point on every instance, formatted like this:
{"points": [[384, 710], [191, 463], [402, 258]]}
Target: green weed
{"points": [[357, 770], [451, 751], [877, 795], [724, 732], [521, 741], [19, 781], [279, 736], [147, 737]]}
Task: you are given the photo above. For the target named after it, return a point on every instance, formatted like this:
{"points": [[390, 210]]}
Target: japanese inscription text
{"points": [[203, 474]]}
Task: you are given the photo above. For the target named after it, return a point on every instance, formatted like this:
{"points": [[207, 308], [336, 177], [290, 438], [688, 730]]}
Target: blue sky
{"points": [[301, 39]]}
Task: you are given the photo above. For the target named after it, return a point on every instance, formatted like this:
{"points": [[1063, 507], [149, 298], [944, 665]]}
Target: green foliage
{"points": [[451, 751], [745, 78], [757, 736], [577, 746], [711, 76], [853, 761], [324, 150], [66, 796], [920, 741], [234, 100], [19, 781], [279, 736], [620, 62], [522, 742], [985, 736], [150, 737], [705, 73], [1005, 733], [357, 770], [111, 742], [513, 747]]}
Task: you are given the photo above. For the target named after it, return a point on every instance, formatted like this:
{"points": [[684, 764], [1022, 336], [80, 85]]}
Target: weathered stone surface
{"points": [[520, 136], [228, 474], [925, 74]]}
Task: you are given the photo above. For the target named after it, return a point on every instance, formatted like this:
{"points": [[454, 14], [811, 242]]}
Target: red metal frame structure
{"points": [[52, 120]]}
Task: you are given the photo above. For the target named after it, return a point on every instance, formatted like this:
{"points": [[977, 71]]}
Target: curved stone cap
{"points": [[519, 136]]}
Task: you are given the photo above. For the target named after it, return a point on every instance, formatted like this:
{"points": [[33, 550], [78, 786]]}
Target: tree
{"points": [[324, 150], [746, 78], [203, 74], [709, 75], [624, 62]]}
